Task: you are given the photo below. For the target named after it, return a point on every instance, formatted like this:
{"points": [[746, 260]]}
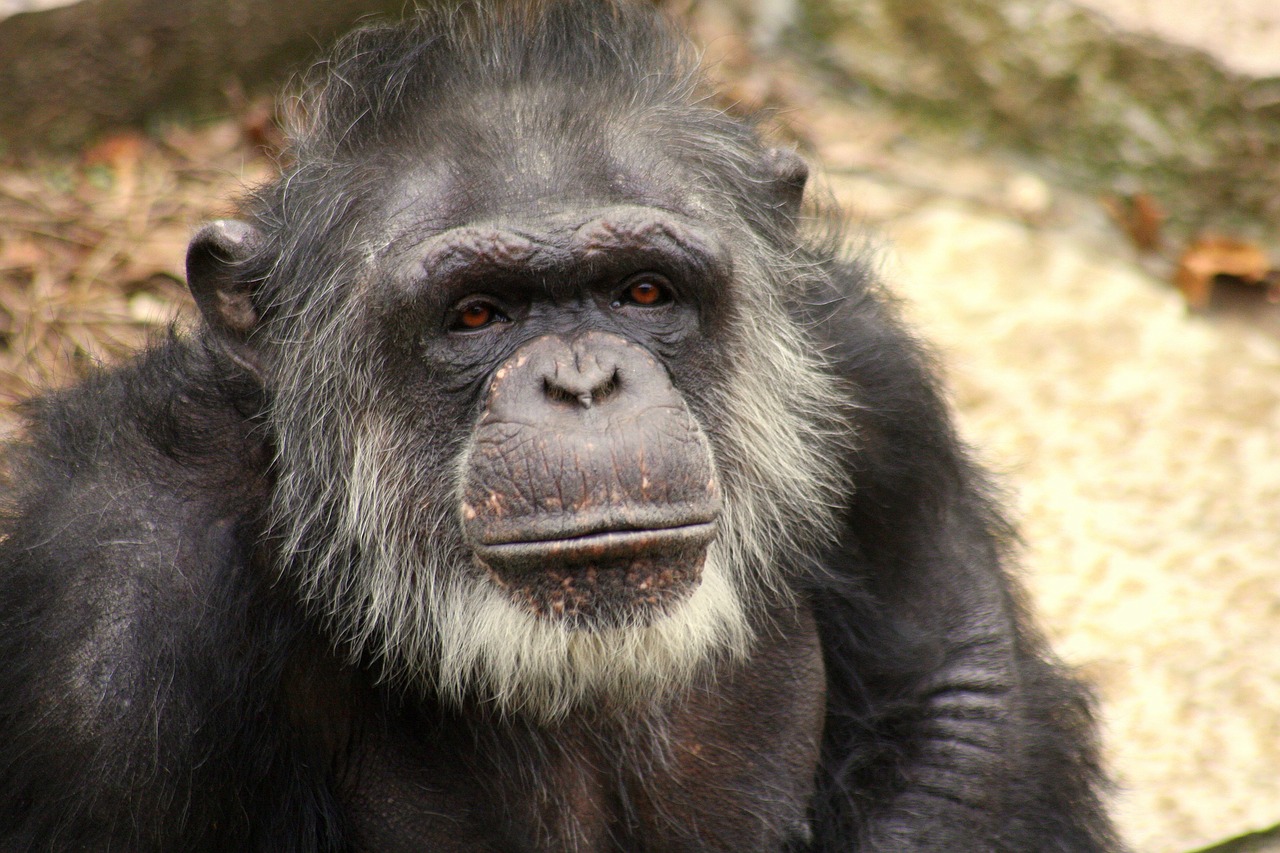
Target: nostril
{"points": [[584, 391], [557, 393], [605, 389]]}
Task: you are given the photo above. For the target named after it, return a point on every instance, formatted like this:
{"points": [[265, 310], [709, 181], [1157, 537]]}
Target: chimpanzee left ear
{"points": [[222, 290], [788, 172]]}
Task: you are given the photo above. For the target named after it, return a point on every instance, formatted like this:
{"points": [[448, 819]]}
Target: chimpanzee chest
{"points": [[729, 767]]}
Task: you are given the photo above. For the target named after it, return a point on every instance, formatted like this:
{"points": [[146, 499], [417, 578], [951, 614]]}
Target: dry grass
{"points": [[92, 249]]}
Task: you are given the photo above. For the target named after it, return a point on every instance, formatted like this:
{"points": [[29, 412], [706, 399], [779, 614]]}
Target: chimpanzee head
{"points": [[523, 312]]}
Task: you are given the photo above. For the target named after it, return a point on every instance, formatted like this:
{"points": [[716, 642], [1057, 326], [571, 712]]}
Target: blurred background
{"points": [[1078, 202]]}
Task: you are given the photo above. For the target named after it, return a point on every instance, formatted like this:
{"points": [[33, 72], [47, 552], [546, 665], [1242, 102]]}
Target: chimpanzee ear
{"points": [[215, 273], [218, 277], [788, 172]]}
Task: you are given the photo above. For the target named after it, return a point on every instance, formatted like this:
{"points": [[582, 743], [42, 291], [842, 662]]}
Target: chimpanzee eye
{"points": [[646, 290], [477, 314]]}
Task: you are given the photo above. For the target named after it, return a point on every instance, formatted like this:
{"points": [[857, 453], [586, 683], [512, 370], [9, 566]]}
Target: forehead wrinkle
{"points": [[490, 249], [637, 228], [554, 243]]}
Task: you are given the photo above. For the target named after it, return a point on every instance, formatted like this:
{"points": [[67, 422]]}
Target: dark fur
{"points": [[163, 685]]}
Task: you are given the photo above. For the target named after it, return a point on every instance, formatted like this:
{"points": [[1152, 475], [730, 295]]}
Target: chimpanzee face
{"points": [[556, 464]]}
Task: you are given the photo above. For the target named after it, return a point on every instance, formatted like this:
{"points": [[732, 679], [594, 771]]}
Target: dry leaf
{"points": [[1212, 256], [119, 151], [1141, 218], [260, 128], [18, 254]]}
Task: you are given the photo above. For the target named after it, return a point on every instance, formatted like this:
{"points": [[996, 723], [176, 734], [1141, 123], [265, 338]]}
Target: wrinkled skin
{"points": [[590, 492]]}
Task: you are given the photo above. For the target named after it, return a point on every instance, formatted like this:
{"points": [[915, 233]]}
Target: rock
{"points": [[73, 71]]}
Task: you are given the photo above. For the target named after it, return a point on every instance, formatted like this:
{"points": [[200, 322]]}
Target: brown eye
{"points": [[477, 315], [646, 291]]}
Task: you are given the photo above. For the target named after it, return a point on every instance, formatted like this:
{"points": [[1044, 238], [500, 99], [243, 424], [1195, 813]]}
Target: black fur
{"points": [[164, 685]]}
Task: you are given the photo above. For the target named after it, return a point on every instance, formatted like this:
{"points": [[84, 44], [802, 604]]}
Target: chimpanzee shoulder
{"points": [[134, 502]]}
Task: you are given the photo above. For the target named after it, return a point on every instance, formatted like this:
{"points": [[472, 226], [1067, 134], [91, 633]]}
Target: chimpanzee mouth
{"points": [[596, 546], [603, 577]]}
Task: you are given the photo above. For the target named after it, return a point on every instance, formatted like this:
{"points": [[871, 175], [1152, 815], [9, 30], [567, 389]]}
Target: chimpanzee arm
{"points": [[950, 727], [137, 659]]}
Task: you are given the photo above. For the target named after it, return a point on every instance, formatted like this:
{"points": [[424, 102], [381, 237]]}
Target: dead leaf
{"points": [[1211, 256], [19, 254], [119, 151], [1141, 218], [260, 128]]}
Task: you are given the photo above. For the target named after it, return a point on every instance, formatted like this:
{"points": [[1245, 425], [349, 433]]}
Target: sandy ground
{"points": [[1141, 445], [1144, 447]]}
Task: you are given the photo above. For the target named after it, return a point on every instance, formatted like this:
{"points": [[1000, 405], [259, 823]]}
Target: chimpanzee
{"points": [[539, 477]]}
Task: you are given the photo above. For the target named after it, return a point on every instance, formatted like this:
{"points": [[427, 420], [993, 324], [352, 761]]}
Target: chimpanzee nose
{"points": [[562, 380], [582, 375]]}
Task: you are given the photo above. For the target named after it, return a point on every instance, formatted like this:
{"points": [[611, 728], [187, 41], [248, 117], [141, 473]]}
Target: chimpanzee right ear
{"points": [[216, 274]]}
